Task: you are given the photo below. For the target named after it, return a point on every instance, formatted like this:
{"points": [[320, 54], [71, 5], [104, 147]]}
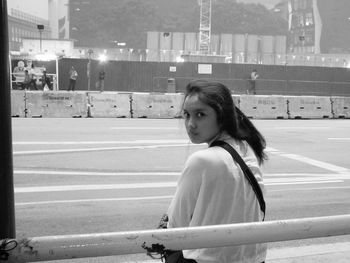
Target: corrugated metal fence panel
{"points": [[252, 44], [252, 49], [267, 44], [340, 74], [165, 41], [239, 43], [153, 40], [191, 42], [215, 44], [153, 76], [309, 73], [267, 49], [226, 44], [64, 65], [280, 44], [178, 41]]}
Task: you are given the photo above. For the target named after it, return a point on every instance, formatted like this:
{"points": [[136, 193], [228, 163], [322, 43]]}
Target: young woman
{"points": [[212, 189]]}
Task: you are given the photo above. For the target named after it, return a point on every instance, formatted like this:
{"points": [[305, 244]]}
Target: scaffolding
{"points": [[204, 26]]}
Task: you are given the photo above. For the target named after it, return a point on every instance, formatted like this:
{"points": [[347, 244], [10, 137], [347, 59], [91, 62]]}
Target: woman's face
{"points": [[200, 120]]}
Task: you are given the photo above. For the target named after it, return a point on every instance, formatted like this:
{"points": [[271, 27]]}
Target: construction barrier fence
{"points": [[109, 105], [65, 104]]}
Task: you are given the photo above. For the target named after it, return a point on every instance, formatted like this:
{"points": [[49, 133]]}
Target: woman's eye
{"points": [[200, 114], [185, 115]]}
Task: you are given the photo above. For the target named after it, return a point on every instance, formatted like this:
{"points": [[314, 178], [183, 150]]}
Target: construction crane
{"points": [[204, 26]]}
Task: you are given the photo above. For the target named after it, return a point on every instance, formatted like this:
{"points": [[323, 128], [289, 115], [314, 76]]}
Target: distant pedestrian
{"points": [[253, 77], [18, 74], [73, 75], [32, 75], [101, 78], [26, 81], [46, 81]]}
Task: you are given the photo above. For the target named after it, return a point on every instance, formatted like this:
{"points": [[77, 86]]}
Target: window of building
{"points": [[309, 4], [309, 19], [16, 34], [301, 20], [303, 4], [296, 4], [12, 33]]}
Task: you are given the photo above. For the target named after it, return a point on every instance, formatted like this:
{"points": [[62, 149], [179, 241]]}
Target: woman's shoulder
{"points": [[206, 157]]}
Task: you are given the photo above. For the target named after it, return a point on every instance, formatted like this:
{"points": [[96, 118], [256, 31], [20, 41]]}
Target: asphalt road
{"points": [[75, 176]]}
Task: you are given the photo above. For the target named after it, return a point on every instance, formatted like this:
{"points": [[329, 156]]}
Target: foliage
{"points": [[101, 23]]}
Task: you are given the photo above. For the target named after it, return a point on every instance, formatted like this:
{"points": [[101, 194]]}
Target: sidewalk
{"points": [[324, 253], [336, 252]]}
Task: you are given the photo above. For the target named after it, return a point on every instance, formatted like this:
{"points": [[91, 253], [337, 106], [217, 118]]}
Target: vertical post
{"points": [[57, 76], [88, 71], [41, 41], [41, 28], [7, 214]]}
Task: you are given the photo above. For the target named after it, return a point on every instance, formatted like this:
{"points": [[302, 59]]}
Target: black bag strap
{"points": [[247, 172]]}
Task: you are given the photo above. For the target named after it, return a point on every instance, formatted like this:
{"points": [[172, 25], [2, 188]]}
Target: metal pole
{"points": [[89, 72], [90, 51], [41, 46], [7, 214], [57, 76], [132, 242]]}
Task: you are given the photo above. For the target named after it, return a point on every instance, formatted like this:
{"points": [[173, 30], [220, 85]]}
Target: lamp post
{"points": [[41, 29], [90, 51]]}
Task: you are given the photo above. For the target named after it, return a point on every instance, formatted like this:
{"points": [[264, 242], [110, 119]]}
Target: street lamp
{"points": [[90, 51], [41, 29]]}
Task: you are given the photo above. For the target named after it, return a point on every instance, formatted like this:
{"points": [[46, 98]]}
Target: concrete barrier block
{"points": [[56, 104], [109, 105], [18, 103], [340, 107], [263, 107], [154, 105], [309, 107]]}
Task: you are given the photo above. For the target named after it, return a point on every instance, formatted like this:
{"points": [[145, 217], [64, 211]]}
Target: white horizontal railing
{"points": [[132, 242]]}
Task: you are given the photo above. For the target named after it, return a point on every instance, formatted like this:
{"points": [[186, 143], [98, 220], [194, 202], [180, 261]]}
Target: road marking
{"points": [[59, 188], [97, 149], [157, 197], [306, 182], [308, 188], [144, 198], [324, 165], [313, 162], [181, 141], [268, 181], [95, 173], [64, 188], [339, 139], [168, 173], [145, 128], [303, 128]]}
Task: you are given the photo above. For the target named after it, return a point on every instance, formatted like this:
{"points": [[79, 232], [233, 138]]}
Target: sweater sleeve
{"points": [[183, 204]]}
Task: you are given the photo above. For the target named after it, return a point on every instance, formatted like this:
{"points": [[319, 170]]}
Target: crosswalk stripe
{"points": [[64, 188], [145, 198], [150, 173]]}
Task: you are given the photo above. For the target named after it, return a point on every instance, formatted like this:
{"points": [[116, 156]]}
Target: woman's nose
{"points": [[191, 123]]}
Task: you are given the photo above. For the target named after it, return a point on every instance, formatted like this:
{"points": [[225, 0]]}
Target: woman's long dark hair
{"points": [[231, 119]]}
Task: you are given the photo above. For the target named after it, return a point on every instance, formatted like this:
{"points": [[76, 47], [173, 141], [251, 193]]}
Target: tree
{"points": [[101, 22]]}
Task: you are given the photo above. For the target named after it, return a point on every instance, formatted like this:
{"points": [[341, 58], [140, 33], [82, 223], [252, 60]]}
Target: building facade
{"points": [[22, 25], [319, 26]]}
